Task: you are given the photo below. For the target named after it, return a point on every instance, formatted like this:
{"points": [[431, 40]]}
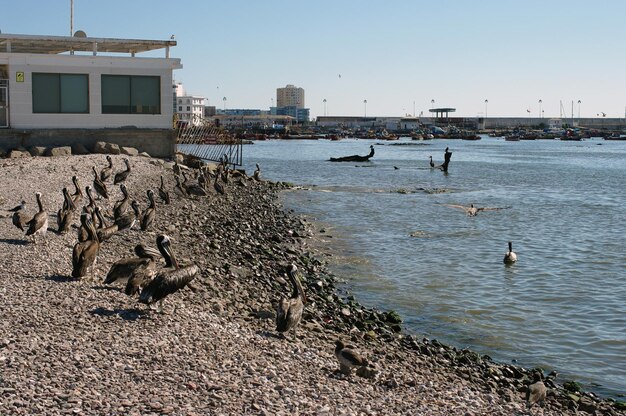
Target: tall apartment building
{"points": [[189, 108], [290, 96]]}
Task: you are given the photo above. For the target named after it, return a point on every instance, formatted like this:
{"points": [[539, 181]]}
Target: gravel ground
{"points": [[72, 346]]}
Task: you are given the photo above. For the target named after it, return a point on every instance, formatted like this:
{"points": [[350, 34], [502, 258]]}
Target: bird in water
{"points": [[432, 164], [66, 213], [257, 173], [99, 186], [107, 171], [39, 223], [472, 211], [536, 392], [125, 269], [19, 217], [348, 357], [163, 194], [121, 176], [289, 311], [510, 257], [121, 206], [85, 253], [148, 215], [77, 196], [168, 280]]}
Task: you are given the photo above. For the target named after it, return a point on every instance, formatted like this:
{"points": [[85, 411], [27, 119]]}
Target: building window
{"points": [[60, 93], [188, 108], [180, 108], [131, 94]]}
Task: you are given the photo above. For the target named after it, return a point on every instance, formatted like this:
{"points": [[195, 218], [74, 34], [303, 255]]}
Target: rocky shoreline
{"points": [[72, 346]]}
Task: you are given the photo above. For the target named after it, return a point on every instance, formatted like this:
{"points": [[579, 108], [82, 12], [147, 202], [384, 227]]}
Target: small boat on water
{"points": [[615, 136], [512, 138]]}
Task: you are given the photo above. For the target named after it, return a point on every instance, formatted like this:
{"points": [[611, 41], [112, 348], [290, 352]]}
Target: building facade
{"points": [[189, 108], [290, 96]]}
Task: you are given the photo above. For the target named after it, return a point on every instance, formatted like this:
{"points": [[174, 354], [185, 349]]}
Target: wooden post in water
{"points": [[446, 160]]}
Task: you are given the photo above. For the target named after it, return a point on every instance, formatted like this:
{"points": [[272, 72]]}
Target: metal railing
{"points": [[207, 141]]}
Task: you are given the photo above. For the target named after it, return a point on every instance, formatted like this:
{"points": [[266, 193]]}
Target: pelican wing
{"points": [[463, 207], [289, 314], [168, 282], [491, 208], [125, 268]]}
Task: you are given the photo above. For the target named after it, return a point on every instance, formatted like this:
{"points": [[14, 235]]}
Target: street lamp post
{"points": [[413, 108], [579, 111], [486, 102], [432, 105], [365, 107], [540, 112], [224, 99], [324, 100]]}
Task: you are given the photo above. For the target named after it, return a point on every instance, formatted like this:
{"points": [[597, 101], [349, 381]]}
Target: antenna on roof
{"points": [[71, 17]]}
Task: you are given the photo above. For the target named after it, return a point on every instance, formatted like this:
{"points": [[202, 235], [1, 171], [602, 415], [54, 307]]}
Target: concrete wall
{"points": [[20, 93], [156, 142], [511, 122]]}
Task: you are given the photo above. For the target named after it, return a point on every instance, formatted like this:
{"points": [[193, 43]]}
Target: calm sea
{"points": [[561, 306]]}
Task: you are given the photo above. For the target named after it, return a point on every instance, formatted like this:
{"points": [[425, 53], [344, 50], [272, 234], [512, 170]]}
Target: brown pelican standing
{"points": [[98, 185], [91, 201], [510, 257], [85, 253], [66, 213], [176, 168], [121, 176], [219, 188], [257, 173], [124, 269], [19, 217], [106, 171], [178, 188], [193, 188], [168, 280], [122, 205], [77, 196], [39, 223], [536, 392], [148, 215], [289, 311], [163, 194], [129, 218], [348, 357]]}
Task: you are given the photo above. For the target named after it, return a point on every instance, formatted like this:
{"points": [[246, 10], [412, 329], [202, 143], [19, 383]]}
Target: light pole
{"points": [[579, 111], [432, 105], [540, 101], [224, 99], [486, 102], [365, 106], [324, 106]]}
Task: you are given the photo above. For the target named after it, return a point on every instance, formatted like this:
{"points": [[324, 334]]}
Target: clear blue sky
{"points": [[391, 53]]}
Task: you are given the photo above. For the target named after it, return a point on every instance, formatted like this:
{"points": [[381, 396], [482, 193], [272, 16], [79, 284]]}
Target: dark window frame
{"points": [[36, 97], [129, 108]]}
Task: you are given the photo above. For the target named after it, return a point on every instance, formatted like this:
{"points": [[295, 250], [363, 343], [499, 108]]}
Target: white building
{"points": [[189, 108], [76, 82]]}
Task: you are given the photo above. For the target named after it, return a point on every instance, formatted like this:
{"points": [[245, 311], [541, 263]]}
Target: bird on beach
{"points": [[257, 173], [99, 186], [107, 171], [125, 269], [121, 176], [66, 213], [148, 215], [19, 217], [38, 225], [85, 253], [77, 196], [219, 188], [289, 311], [168, 280], [536, 392], [348, 357], [472, 211], [129, 218], [163, 194], [510, 257], [121, 206]]}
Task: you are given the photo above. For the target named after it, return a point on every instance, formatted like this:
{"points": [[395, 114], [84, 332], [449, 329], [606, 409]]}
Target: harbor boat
{"points": [[615, 136], [512, 138]]}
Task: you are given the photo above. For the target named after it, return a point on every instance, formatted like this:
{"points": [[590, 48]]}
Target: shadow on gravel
{"points": [[126, 314], [62, 279], [108, 288], [13, 241], [269, 334]]}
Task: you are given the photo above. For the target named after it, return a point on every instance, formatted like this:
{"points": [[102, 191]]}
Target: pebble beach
{"points": [[77, 346]]}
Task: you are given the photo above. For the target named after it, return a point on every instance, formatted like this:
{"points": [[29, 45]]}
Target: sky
{"points": [[397, 55]]}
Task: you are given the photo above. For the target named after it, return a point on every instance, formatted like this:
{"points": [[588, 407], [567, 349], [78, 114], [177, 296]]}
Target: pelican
{"points": [[472, 211], [148, 215], [123, 270], [122, 205], [106, 171], [39, 223], [121, 176], [98, 185], [178, 188], [432, 164], [92, 202], [65, 214], [77, 196], [19, 218], [165, 196], [536, 392], [192, 188], [83, 233], [176, 168], [129, 218], [257, 173], [85, 253], [510, 257], [168, 280], [348, 357], [219, 188], [289, 311]]}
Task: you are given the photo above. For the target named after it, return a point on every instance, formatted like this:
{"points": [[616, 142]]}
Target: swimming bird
{"points": [[122, 205], [148, 215], [129, 218], [106, 171], [124, 269], [85, 253], [257, 173], [39, 223], [536, 392], [348, 357], [432, 164], [77, 196], [19, 217], [168, 280], [121, 176], [99, 186], [66, 213], [510, 257], [163, 194], [289, 311], [472, 211]]}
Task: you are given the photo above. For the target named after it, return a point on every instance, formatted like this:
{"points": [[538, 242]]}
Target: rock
{"points": [[129, 151], [14, 154], [144, 154], [587, 405], [113, 148], [60, 151], [100, 147], [3, 152], [79, 149], [37, 150]]}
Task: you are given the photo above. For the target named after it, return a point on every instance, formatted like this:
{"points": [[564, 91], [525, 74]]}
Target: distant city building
{"points": [[290, 96], [189, 108], [209, 111], [301, 115]]}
